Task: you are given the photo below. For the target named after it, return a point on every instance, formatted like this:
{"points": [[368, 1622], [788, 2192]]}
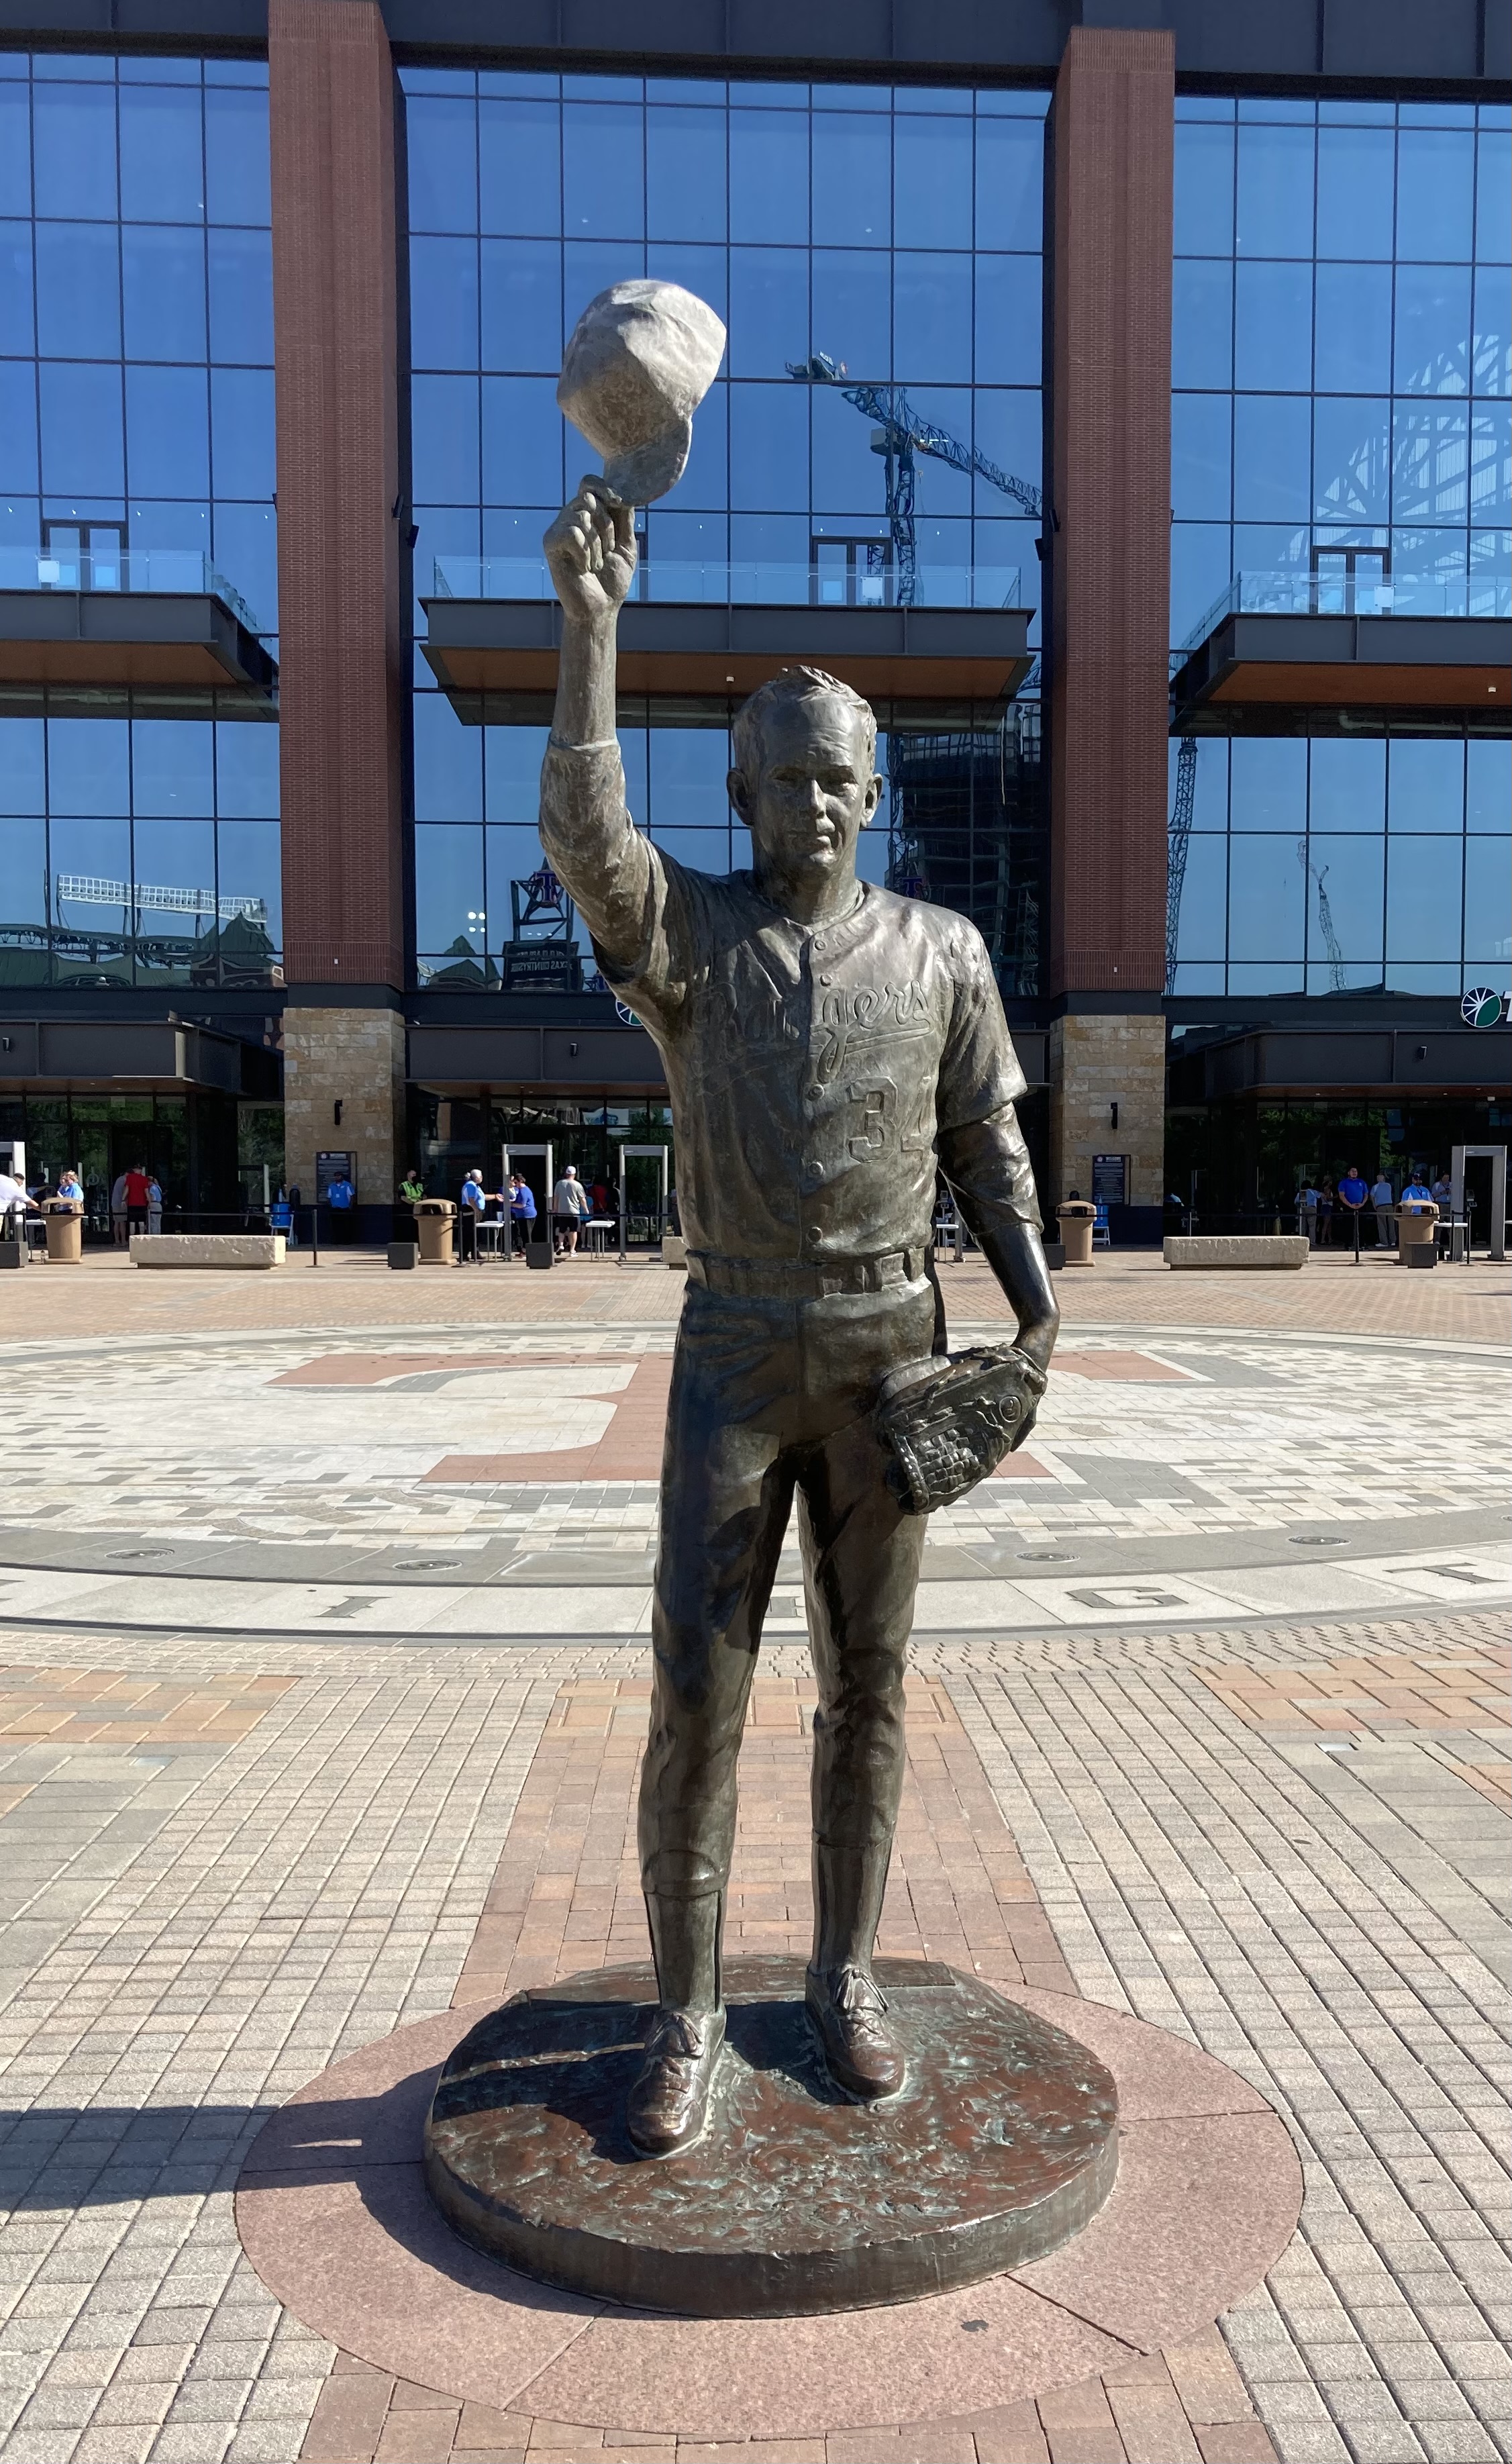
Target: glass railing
{"points": [[160, 570], [1299, 593], [671, 582]]}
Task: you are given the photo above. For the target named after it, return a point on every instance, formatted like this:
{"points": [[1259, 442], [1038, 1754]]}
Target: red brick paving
{"points": [[567, 1896]]}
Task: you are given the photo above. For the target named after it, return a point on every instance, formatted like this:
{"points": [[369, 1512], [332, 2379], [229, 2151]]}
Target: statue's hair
{"points": [[790, 685]]}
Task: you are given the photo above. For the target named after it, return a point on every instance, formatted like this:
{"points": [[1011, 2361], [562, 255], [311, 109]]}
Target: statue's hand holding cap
{"points": [[640, 358]]}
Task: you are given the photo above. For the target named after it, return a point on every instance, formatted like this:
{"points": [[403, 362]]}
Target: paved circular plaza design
{"points": [[450, 1482], [335, 2216]]}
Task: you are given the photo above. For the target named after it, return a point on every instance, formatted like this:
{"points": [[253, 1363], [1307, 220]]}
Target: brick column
{"points": [[332, 127], [1110, 487]]}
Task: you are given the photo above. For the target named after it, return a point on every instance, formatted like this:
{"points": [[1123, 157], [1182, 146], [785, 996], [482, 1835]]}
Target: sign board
{"points": [[1481, 1006], [1111, 1180], [541, 966], [333, 1167]]}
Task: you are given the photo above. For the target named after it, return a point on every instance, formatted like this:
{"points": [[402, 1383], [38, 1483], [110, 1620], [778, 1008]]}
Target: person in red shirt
{"points": [[137, 1200]]}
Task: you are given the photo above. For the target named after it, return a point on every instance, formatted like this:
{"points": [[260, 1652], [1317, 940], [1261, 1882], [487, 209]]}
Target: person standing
{"points": [[1383, 1199], [521, 1210], [569, 1207], [1307, 1212], [154, 1203], [138, 1188], [342, 1198], [1354, 1194], [474, 1198], [14, 1200], [1326, 1207], [118, 1210]]}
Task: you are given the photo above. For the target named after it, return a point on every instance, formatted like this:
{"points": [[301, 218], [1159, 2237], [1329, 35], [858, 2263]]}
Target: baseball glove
{"points": [[947, 1423]]}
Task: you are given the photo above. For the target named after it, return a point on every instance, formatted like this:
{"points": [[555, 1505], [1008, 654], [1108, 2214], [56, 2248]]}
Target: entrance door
{"points": [[1350, 581]]}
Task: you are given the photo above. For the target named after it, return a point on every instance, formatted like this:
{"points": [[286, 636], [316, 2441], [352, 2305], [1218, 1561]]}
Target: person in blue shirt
{"points": [[521, 1208], [342, 1198], [1353, 1193], [474, 1198]]}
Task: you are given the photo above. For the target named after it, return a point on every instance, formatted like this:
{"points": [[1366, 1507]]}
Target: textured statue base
{"points": [[1002, 2144]]}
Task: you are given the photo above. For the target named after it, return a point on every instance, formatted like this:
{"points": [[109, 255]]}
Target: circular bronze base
{"points": [[1002, 2144]]}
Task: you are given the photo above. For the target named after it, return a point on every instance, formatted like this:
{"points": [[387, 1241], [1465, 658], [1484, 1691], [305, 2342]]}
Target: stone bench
{"points": [[1245, 1250], [208, 1248]]}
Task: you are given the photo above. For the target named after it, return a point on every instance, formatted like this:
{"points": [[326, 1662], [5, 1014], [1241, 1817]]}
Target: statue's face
{"points": [[816, 788]]}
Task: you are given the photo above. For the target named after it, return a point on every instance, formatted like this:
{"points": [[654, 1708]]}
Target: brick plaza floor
{"points": [[258, 1810]]}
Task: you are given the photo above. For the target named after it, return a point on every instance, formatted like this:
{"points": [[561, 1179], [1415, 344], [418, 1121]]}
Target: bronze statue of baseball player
{"points": [[829, 1048]]}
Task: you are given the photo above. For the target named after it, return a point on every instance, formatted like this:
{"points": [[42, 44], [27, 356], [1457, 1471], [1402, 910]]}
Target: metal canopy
{"points": [[114, 638], [1357, 663], [716, 654]]}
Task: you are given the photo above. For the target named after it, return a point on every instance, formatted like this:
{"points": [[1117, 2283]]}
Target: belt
{"points": [[781, 1279]]}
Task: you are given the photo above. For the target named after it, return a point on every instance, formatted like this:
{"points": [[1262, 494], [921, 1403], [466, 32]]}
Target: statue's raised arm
{"points": [[590, 837]]}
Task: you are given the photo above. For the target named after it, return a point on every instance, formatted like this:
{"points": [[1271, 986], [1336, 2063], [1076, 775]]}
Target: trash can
{"points": [[1077, 1219], [1416, 1228], [65, 1230], [434, 1220]]}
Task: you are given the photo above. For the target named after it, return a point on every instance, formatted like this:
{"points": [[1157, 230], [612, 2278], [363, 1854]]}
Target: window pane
{"points": [[78, 290], [172, 767], [852, 180], [767, 309], [23, 779], [523, 434], [444, 303], [449, 888], [684, 174], [1201, 566], [1434, 193], [688, 770], [1433, 329], [162, 292], [1269, 783], [241, 296], [1491, 464], [1265, 899], [852, 311], [1010, 184], [768, 175], [1352, 461], [242, 404], [1201, 322], [1010, 320], [513, 757], [1488, 799], [521, 304], [1203, 920], [236, 188], [1271, 454], [1353, 314], [17, 322], [1352, 871], [1347, 786], [444, 439], [1427, 784], [1494, 197], [769, 446], [443, 164], [245, 546], [15, 149], [932, 182], [1275, 191], [247, 863], [23, 890], [602, 172], [1430, 458], [81, 430], [519, 167], [1009, 430], [1199, 455], [1423, 895], [88, 765], [246, 770], [931, 311], [449, 762], [1273, 326], [1493, 330], [1356, 178], [162, 154], [167, 428], [74, 161], [1488, 905], [1204, 191]]}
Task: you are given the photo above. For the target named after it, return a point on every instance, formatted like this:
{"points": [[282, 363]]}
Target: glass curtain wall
{"points": [[1342, 367], [139, 837], [896, 231]]}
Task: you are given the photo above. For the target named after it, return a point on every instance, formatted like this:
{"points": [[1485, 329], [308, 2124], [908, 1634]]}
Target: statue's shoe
{"points": [[849, 2013], [668, 2108]]}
